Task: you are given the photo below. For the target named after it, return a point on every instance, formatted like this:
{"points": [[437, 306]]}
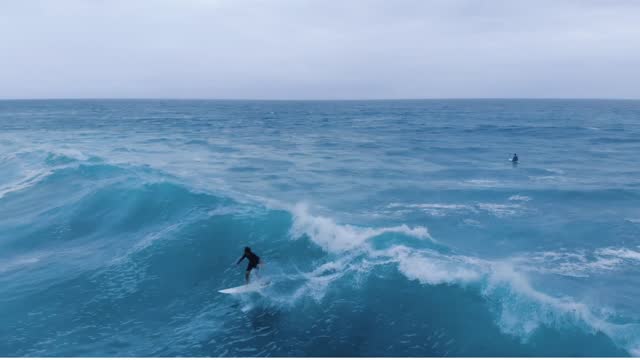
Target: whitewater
{"points": [[387, 228]]}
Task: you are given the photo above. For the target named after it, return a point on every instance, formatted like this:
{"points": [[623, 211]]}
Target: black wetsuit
{"points": [[254, 260]]}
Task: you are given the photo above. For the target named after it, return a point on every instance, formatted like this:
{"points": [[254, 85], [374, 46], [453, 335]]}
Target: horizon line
{"points": [[314, 99]]}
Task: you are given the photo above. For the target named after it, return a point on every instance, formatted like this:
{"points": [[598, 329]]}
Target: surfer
{"points": [[514, 158], [254, 261]]}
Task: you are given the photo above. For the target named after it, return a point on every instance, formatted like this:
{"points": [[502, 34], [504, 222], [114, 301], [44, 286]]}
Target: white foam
{"points": [[521, 308], [548, 179], [435, 209], [30, 165], [67, 152], [28, 179], [19, 262], [482, 182], [620, 253], [439, 210], [336, 238], [431, 268], [577, 263], [471, 222], [500, 210], [519, 198]]}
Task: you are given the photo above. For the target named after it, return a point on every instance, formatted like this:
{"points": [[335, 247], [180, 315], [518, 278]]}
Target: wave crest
{"points": [[332, 237]]}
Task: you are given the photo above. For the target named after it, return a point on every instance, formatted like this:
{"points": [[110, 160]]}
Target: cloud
{"points": [[319, 49]]}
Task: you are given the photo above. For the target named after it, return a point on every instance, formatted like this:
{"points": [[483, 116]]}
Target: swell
{"points": [[518, 308], [118, 256]]}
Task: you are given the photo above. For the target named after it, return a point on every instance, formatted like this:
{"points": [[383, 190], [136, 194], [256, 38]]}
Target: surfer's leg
{"points": [[248, 273], [249, 268]]}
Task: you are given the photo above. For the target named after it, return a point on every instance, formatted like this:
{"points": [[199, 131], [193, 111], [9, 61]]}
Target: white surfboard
{"points": [[246, 288]]}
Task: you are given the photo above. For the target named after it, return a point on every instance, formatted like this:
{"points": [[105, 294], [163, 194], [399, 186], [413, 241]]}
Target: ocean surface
{"points": [[387, 228]]}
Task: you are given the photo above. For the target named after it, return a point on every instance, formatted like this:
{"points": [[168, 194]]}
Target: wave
{"points": [[521, 310], [125, 237], [335, 238]]}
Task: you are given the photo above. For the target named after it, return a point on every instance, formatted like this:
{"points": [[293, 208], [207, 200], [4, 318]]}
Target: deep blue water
{"points": [[387, 228]]}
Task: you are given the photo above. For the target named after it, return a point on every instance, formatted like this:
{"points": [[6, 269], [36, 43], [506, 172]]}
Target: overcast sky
{"points": [[319, 49]]}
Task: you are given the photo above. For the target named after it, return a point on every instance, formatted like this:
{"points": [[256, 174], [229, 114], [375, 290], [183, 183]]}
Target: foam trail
{"points": [[337, 238]]}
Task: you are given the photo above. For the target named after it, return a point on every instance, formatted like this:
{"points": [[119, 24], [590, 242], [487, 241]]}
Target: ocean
{"points": [[386, 228]]}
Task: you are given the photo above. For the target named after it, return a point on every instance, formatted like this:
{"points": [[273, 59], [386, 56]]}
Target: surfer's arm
{"points": [[242, 258]]}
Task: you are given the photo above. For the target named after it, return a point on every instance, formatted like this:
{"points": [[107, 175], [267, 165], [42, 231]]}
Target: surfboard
{"points": [[245, 288]]}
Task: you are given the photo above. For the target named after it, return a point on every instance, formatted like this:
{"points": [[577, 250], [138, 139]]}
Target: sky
{"points": [[319, 49]]}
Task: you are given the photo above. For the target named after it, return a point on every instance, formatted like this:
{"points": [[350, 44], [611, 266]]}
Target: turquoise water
{"points": [[388, 228]]}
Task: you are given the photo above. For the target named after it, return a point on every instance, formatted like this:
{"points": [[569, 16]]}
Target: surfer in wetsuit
{"points": [[254, 261], [514, 158]]}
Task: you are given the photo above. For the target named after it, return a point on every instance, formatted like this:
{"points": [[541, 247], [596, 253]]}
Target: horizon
{"points": [[321, 100]]}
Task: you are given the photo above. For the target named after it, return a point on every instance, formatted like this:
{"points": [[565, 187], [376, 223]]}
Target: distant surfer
{"points": [[254, 261], [514, 159]]}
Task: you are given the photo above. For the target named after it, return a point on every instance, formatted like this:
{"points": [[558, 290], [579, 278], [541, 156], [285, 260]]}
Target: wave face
{"points": [[390, 228]]}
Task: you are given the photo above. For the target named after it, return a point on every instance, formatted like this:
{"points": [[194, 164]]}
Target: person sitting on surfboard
{"points": [[514, 158], [254, 261]]}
